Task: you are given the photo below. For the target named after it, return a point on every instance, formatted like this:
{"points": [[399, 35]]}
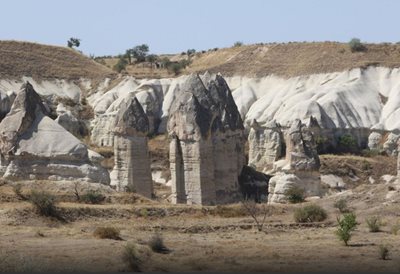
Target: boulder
{"points": [[206, 142], [375, 140], [391, 145], [131, 157], [33, 146]]}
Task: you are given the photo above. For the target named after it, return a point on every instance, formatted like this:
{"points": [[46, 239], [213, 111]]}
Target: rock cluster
{"points": [[290, 154], [33, 146], [206, 142], [131, 157]]}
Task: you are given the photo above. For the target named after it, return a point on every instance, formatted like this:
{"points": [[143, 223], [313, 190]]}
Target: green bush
{"points": [[347, 143], [131, 256], [341, 204], [356, 45], [374, 224], [156, 244], [295, 194], [121, 64], [92, 197], [238, 44], [347, 225], [107, 232], [383, 252], [310, 213], [44, 203]]}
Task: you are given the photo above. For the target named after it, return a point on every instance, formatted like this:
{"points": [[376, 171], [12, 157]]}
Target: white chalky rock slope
{"points": [[358, 98]]}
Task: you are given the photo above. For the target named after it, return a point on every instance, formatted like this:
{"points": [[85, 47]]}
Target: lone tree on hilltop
{"points": [[74, 42], [139, 52]]}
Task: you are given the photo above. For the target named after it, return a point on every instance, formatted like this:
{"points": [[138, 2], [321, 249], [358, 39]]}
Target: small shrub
{"points": [[92, 197], [131, 256], [391, 188], [238, 44], [121, 64], [130, 188], [107, 232], [310, 213], [356, 45], [39, 233], [43, 202], [17, 188], [346, 226], [366, 165], [295, 194], [156, 244], [250, 206], [383, 252], [370, 152], [374, 224], [347, 143], [341, 204], [395, 229]]}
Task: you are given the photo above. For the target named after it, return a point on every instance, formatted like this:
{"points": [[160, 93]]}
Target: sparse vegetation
{"points": [[107, 232], [121, 64], [139, 53], [92, 197], [156, 243], [374, 224], [44, 203], [310, 213], [383, 252], [17, 188], [73, 42], [295, 194], [341, 205], [347, 225], [238, 44], [356, 45], [347, 144], [131, 256], [250, 206]]}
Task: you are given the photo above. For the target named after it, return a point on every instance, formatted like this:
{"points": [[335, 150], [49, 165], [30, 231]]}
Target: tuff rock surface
{"points": [[131, 163], [207, 142], [33, 146]]}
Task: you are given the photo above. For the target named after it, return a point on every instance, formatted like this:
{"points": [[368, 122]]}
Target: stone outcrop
{"points": [[131, 157], [301, 149], [6, 101], [33, 146], [266, 145], [207, 143], [300, 166]]}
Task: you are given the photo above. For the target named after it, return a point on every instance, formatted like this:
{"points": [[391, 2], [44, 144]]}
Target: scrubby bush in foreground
{"points": [[107, 233], [156, 244], [347, 225], [44, 203], [310, 213], [131, 256], [374, 224], [295, 194]]}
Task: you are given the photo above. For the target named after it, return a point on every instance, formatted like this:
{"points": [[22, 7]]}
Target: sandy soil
{"points": [[220, 238]]}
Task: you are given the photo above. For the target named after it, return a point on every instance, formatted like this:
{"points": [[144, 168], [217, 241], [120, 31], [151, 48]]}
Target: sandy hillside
{"points": [[39, 61]]}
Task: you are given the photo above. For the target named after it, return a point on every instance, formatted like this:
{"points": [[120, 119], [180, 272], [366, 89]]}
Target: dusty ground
{"points": [[220, 238]]}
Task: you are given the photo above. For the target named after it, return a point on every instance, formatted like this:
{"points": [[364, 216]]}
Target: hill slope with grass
{"points": [[39, 61]]}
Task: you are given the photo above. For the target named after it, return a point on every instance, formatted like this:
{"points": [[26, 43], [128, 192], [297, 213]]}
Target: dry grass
{"points": [[44, 61], [295, 59], [287, 60], [107, 233]]}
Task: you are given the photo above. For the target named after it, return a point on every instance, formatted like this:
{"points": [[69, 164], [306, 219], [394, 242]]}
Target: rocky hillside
{"points": [[38, 61]]}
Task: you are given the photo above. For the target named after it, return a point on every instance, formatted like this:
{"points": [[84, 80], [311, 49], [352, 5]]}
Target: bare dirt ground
{"points": [[222, 238]]}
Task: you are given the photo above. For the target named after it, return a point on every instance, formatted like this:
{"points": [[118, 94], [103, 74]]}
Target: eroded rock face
{"points": [[266, 145], [33, 146], [132, 165], [301, 151], [207, 142]]}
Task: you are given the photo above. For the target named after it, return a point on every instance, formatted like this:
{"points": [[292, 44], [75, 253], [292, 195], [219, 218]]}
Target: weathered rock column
{"points": [[207, 143], [132, 165]]}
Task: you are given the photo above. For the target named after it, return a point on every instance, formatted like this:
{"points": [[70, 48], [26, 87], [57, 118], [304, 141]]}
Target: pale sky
{"points": [[170, 26]]}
